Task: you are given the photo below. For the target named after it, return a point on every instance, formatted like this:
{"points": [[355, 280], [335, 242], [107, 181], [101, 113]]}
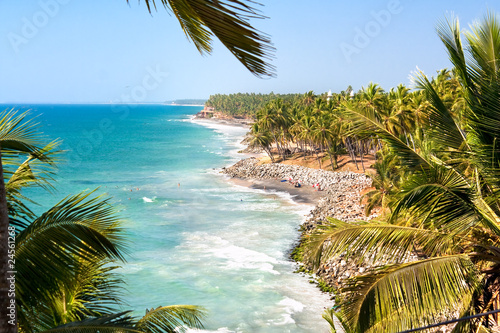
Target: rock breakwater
{"points": [[340, 199]]}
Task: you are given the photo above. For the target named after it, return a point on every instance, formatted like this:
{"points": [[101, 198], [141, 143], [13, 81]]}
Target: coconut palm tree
{"points": [[17, 136], [260, 138], [385, 183], [228, 21], [447, 211], [273, 118]]}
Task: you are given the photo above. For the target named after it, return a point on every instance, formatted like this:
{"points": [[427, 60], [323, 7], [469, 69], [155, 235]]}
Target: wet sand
{"points": [[305, 194]]}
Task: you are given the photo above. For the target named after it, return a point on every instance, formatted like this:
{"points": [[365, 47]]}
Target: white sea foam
{"points": [[232, 256], [219, 330], [232, 135], [291, 305]]}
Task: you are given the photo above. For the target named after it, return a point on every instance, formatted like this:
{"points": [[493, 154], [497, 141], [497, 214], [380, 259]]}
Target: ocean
{"points": [[195, 237]]}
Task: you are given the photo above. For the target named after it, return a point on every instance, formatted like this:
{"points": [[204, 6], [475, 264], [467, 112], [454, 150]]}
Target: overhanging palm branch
{"points": [[443, 126], [366, 121], [335, 320], [372, 303], [171, 319], [442, 198], [373, 241], [228, 20], [94, 291], [20, 135], [165, 319], [52, 247], [114, 323], [30, 173]]}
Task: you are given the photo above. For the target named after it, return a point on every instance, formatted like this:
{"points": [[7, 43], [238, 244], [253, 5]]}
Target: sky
{"points": [[81, 51]]}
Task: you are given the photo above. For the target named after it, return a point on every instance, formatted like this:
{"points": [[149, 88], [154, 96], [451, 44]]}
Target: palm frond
{"points": [[450, 34], [228, 20], [442, 125], [30, 173], [48, 250], [336, 321], [20, 135], [443, 199], [115, 323], [409, 295], [173, 318], [367, 120], [372, 241]]}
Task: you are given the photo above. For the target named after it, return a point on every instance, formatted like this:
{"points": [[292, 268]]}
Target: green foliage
{"points": [[246, 105], [439, 176]]}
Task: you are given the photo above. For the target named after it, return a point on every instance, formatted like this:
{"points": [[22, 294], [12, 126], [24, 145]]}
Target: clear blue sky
{"points": [[80, 51]]}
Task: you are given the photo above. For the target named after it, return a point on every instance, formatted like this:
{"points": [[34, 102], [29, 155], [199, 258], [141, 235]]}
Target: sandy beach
{"points": [[301, 195]]}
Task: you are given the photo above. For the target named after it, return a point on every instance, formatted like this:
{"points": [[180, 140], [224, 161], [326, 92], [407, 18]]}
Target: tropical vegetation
{"points": [[245, 105], [438, 180]]}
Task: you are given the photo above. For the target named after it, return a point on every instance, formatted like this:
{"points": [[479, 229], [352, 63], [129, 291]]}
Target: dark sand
{"points": [[305, 194]]}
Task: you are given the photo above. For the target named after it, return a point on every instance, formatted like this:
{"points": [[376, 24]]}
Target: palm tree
{"points": [[447, 211], [228, 20], [385, 183], [260, 138], [273, 118], [17, 136]]}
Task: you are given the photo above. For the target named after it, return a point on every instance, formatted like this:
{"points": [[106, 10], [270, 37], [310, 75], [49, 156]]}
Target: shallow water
{"points": [[195, 237]]}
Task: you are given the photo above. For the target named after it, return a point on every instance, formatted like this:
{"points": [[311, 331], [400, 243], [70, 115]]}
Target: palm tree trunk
{"points": [[334, 166], [352, 152], [317, 156], [7, 324], [361, 149]]}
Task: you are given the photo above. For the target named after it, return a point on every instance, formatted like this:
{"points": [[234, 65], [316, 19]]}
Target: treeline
{"points": [[323, 125], [246, 105], [436, 240]]}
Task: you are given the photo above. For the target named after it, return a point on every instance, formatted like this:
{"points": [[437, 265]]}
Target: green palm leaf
{"points": [[367, 120], [20, 135], [228, 20], [443, 128], [442, 198], [171, 318], [362, 240], [52, 246], [409, 295], [119, 322], [30, 173]]}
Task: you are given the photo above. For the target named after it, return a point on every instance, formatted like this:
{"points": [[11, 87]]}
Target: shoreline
{"points": [[224, 121], [339, 198], [303, 195]]}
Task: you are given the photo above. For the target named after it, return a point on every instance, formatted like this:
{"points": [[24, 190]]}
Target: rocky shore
{"points": [[339, 198]]}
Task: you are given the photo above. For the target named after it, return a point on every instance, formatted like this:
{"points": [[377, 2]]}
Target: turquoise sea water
{"points": [[196, 238]]}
